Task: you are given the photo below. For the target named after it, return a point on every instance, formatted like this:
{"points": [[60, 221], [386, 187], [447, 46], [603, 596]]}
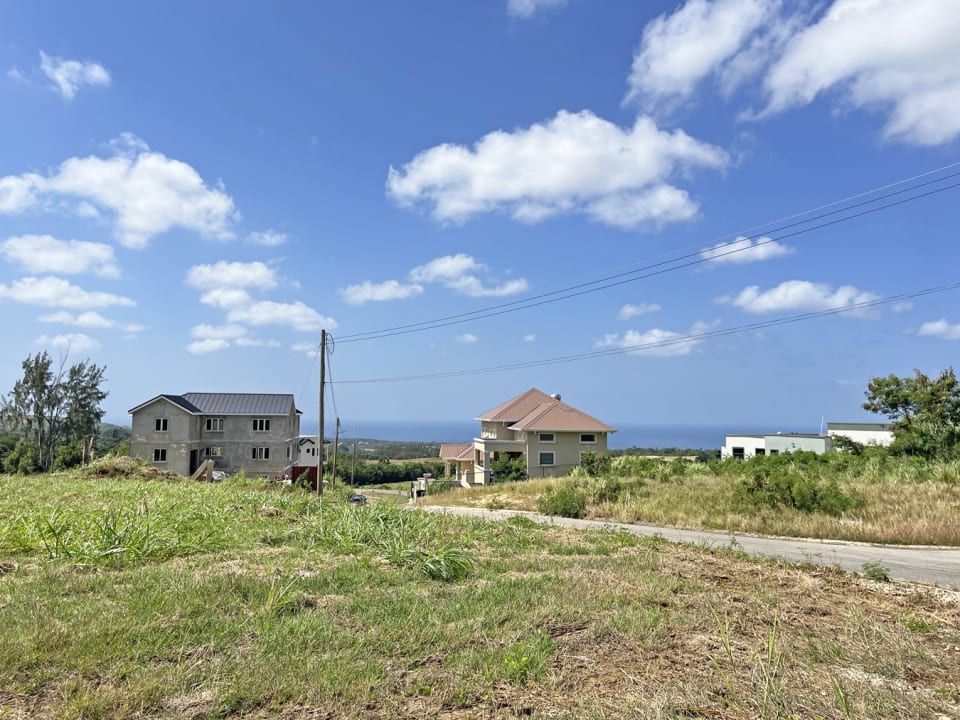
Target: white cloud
{"points": [[73, 342], [68, 76], [896, 55], [528, 8], [467, 338], [629, 311], [310, 348], [256, 342], [56, 292], [295, 315], [797, 295], [226, 298], [572, 163], [87, 319], [656, 342], [745, 250], [473, 287], [16, 75], [267, 238], [231, 275], [147, 192], [217, 332], [201, 347], [448, 267], [940, 329], [134, 328], [680, 50], [902, 307], [529, 338], [44, 253], [378, 292]]}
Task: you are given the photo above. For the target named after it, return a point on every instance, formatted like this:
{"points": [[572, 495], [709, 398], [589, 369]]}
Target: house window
{"points": [[289, 452], [261, 425], [548, 438], [159, 455], [774, 452], [588, 438], [261, 453], [760, 451], [215, 451], [214, 424], [160, 424], [738, 452], [546, 458]]}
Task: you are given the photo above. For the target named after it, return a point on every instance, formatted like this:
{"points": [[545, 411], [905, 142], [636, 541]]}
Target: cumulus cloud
{"points": [[529, 338], [467, 338], [72, 342], [68, 76], [378, 292], [528, 8], [44, 253], [456, 272], [267, 238], [629, 311], [201, 347], [797, 295], [656, 342], [940, 329], [256, 342], [572, 163], [56, 292], [896, 55], [147, 192], [87, 319], [310, 349], [745, 250], [681, 49], [295, 315], [231, 275], [217, 332]]}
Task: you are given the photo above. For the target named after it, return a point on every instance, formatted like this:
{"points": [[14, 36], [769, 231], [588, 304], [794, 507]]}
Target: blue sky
{"points": [[189, 192]]}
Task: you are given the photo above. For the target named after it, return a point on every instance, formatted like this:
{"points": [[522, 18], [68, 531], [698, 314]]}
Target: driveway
{"points": [[904, 562]]}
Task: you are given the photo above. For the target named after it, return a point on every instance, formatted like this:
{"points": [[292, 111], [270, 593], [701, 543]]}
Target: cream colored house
{"points": [[551, 435]]}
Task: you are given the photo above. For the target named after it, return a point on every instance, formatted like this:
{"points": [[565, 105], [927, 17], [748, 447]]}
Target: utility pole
{"points": [[336, 446], [323, 379]]}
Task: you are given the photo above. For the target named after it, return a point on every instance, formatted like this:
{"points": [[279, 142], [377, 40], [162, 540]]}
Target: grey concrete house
{"points": [[255, 433]]}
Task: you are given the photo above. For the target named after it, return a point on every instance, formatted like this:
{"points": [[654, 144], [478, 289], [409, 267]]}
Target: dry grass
{"points": [[916, 514], [303, 614]]}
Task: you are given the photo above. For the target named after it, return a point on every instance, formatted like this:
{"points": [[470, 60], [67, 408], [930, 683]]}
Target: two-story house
{"points": [[253, 432], [551, 435]]}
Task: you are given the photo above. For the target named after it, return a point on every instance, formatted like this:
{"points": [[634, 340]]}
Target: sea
{"points": [[708, 437]]}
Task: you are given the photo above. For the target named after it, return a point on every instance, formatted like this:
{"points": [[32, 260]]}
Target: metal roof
{"points": [[227, 403], [858, 426], [240, 403]]}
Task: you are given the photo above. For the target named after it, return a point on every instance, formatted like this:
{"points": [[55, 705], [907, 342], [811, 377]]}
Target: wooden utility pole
{"points": [[336, 446], [323, 379]]}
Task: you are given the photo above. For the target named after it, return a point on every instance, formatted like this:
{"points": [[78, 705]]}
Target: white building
{"points": [[747, 446], [863, 433]]}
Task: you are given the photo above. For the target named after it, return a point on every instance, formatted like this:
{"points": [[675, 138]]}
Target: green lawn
{"points": [[131, 598]]}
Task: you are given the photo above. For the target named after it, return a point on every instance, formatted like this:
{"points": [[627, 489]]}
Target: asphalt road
{"points": [[918, 563]]}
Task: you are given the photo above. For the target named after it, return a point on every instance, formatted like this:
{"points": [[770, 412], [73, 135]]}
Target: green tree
{"points": [[52, 406], [925, 412]]}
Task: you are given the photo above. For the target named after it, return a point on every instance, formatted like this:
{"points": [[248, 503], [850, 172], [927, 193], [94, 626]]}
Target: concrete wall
{"points": [[186, 433], [793, 443], [865, 437], [566, 450], [749, 443], [497, 431]]}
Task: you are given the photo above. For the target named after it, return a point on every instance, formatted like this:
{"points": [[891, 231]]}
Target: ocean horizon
{"points": [[705, 437]]}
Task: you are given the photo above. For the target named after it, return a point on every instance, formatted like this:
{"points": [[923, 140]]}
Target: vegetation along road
{"points": [[923, 564]]}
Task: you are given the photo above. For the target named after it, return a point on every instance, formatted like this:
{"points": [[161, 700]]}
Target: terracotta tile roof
{"points": [[535, 410], [517, 407], [560, 417], [456, 451]]}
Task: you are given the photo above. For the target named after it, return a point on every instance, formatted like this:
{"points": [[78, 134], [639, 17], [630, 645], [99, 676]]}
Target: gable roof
{"points": [[535, 410], [227, 403], [456, 451]]}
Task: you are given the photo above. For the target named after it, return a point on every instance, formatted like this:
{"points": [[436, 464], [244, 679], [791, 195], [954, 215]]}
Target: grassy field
{"points": [[151, 599], [895, 502]]}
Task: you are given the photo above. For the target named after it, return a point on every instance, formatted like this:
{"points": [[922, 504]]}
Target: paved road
{"points": [[923, 564]]}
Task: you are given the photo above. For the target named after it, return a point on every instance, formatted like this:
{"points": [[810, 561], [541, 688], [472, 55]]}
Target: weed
{"points": [[876, 572], [565, 500], [526, 661]]}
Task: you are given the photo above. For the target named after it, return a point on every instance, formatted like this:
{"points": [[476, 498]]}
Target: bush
{"points": [[23, 459], [595, 464], [67, 456], [565, 500], [798, 491], [508, 469]]}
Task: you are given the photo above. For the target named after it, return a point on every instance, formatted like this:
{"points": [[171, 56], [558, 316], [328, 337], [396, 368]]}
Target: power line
{"points": [[694, 258], [333, 395], [680, 339]]}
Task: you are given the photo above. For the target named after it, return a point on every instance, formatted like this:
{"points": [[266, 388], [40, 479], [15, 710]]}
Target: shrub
{"points": [[507, 469], [595, 464], [23, 459], [566, 500], [793, 490], [67, 456]]}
